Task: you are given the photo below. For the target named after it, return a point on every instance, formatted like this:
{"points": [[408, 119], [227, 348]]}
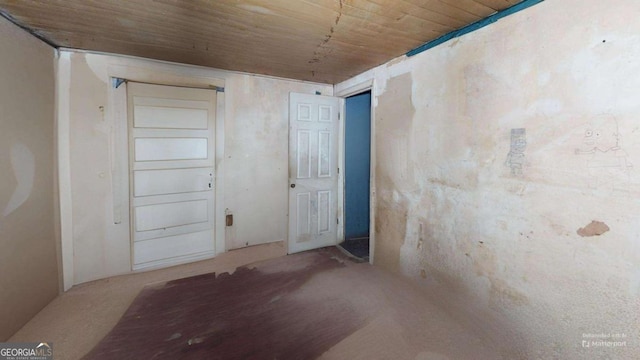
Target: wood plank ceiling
{"points": [[317, 40]]}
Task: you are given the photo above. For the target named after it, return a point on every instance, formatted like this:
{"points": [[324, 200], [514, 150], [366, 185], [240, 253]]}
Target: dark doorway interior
{"points": [[357, 174]]}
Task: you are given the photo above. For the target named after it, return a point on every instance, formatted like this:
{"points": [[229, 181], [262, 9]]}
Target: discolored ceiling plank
{"points": [[496, 4], [317, 40]]}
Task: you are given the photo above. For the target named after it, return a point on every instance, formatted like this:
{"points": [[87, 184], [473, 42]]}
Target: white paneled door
{"points": [[313, 171], [171, 145]]}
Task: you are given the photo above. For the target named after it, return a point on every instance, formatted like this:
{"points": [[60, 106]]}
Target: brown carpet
{"points": [[312, 305], [253, 314]]}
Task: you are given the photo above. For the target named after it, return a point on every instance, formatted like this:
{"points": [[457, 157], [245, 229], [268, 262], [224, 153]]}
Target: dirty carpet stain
{"points": [[595, 228], [252, 314]]}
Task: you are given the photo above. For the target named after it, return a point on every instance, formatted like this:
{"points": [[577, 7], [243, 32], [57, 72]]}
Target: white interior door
{"points": [[171, 134], [313, 171]]}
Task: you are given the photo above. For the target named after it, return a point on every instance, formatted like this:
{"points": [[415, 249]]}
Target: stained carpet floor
{"points": [[317, 304], [252, 314]]}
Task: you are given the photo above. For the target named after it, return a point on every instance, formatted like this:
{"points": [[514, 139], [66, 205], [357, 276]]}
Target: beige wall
{"points": [[254, 157], [505, 247], [28, 256]]}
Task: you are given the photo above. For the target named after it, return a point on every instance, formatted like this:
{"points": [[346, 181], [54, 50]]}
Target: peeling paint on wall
{"points": [[394, 118]]}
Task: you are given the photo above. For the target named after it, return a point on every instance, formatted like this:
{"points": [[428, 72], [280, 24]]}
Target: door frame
{"points": [[359, 88], [115, 115]]}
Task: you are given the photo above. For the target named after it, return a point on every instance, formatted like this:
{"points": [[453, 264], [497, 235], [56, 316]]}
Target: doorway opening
{"points": [[357, 175]]}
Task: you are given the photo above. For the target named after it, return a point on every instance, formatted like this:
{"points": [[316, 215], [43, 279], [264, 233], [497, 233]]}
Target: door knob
{"points": [[293, 185]]}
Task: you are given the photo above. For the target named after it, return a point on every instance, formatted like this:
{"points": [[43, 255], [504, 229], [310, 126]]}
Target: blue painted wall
{"points": [[357, 165]]}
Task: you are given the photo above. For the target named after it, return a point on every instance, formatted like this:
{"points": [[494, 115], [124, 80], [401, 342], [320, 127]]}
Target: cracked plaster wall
{"points": [[504, 246]]}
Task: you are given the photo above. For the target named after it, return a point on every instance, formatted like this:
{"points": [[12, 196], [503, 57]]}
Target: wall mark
{"points": [[515, 157], [607, 163], [595, 228], [24, 169]]}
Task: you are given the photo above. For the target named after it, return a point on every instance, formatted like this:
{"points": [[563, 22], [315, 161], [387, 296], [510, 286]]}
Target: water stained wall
{"points": [[28, 259], [494, 150]]}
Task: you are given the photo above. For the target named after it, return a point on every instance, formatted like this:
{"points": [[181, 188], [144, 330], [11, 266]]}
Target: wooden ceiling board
{"points": [[441, 14], [455, 13], [472, 7], [324, 41], [496, 4], [392, 18]]}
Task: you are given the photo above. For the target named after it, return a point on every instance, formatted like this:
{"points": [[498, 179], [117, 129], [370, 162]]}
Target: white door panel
{"points": [[303, 157], [161, 250], [172, 173], [158, 149], [303, 214], [313, 177], [162, 113], [324, 211], [324, 154], [166, 215], [172, 181], [172, 231]]}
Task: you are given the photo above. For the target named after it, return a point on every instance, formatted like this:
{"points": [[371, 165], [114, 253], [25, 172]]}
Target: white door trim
{"points": [[368, 85]]}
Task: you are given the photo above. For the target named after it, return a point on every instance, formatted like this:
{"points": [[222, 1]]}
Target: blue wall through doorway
{"points": [[357, 165]]}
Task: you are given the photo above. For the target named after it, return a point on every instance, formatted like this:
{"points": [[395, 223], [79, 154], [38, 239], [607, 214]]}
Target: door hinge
{"points": [[338, 171], [339, 115], [338, 221]]}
